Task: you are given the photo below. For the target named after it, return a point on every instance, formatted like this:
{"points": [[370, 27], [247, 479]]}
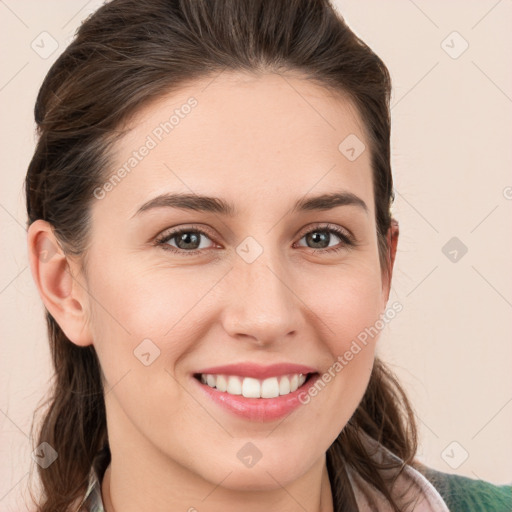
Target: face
{"points": [[264, 287]]}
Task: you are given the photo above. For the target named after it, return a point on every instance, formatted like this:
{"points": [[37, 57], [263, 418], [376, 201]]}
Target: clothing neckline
{"points": [[409, 482]]}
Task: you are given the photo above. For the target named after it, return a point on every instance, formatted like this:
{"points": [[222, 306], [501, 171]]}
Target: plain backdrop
{"points": [[452, 157]]}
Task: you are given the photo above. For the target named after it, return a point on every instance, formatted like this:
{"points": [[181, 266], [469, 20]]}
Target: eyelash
{"points": [[347, 240]]}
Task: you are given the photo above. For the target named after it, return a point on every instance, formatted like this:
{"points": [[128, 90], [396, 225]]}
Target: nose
{"points": [[262, 307]]}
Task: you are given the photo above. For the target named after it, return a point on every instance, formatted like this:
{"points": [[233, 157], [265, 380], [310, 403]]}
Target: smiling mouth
{"points": [[250, 387]]}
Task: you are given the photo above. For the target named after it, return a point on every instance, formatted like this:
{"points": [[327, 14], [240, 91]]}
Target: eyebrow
{"points": [[210, 204]]}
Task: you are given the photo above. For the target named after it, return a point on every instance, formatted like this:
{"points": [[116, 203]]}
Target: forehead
{"points": [[249, 138]]}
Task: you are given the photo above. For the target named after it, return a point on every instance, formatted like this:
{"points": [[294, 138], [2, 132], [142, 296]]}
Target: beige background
{"points": [[452, 156]]}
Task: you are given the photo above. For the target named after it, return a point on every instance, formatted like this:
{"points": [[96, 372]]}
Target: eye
{"points": [[188, 241], [321, 237]]}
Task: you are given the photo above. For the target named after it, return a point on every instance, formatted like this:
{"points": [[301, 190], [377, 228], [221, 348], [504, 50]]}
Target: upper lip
{"points": [[257, 371]]}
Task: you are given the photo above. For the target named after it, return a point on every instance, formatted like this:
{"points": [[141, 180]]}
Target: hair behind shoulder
{"points": [[127, 54]]}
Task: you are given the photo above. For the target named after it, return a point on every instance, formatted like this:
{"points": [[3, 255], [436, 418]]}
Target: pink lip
{"points": [[257, 371], [258, 409]]}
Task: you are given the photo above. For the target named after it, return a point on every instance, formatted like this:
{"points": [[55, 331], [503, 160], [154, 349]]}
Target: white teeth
{"points": [[255, 388], [251, 388], [234, 385], [222, 383], [284, 385], [294, 383], [270, 388]]}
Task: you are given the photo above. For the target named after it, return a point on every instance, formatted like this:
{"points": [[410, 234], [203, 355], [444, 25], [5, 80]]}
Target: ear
{"points": [[392, 240], [55, 277]]}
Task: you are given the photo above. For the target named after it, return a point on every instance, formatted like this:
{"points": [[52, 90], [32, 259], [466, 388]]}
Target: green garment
{"points": [[462, 494]]}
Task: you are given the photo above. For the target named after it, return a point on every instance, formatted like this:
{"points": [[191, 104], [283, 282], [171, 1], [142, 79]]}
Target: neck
{"points": [[283, 499]]}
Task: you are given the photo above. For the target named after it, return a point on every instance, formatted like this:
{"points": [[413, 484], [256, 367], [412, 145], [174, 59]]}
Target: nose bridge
{"points": [[261, 303]]}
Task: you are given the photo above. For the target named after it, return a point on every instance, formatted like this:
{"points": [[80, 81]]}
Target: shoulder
{"points": [[467, 494]]}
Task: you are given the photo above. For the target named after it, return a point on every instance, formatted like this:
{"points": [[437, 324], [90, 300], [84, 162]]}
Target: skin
{"points": [[258, 143]]}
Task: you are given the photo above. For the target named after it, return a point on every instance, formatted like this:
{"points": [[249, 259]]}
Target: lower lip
{"points": [[259, 409]]}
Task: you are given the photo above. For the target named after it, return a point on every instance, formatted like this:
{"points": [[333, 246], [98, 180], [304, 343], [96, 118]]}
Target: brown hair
{"points": [[125, 55]]}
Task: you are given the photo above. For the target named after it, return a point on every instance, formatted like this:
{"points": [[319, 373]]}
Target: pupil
{"points": [[185, 237], [318, 237]]}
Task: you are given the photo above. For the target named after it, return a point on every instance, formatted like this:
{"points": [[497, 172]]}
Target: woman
{"points": [[210, 232]]}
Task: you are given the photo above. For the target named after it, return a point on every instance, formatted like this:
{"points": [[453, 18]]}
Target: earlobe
{"points": [[62, 295]]}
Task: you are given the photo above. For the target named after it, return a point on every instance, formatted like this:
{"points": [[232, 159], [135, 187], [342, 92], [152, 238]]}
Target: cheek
{"points": [[347, 302], [135, 305], [131, 315], [141, 331], [350, 309]]}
